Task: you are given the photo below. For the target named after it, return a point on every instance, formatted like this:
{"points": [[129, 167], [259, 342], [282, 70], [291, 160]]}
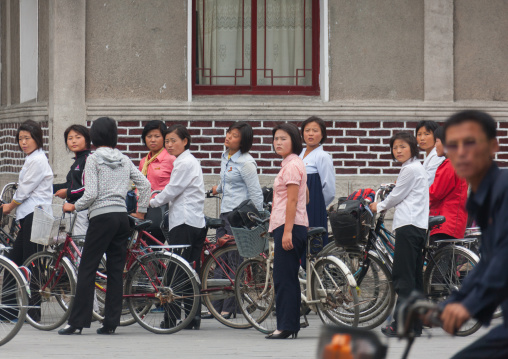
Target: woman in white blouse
{"points": [[35, 187], [320, 174], [410, 197], [427, 142], [185, 194]]}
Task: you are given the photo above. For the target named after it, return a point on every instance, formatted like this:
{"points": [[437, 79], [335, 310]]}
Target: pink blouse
{"points": [[292, 172], [159, 171]]}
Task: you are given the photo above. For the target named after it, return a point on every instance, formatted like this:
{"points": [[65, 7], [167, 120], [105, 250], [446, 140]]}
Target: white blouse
{"points": [[185, 193], [35, 185], [410, 197], [319, 161], [431, 163]]}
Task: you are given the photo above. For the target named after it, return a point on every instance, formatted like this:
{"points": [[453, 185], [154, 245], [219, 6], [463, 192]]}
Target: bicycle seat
{"points": [[436, 220], [313, 231], [214, 222], [139, 224]]}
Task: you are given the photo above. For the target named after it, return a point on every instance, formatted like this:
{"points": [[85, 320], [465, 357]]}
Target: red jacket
{"points": [[448, 195]]}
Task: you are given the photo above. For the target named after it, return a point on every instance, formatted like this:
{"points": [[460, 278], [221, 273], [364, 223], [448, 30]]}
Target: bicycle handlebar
{"points": [[258, 220]]}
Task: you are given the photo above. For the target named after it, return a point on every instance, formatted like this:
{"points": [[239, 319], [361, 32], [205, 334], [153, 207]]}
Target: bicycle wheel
{"points": [[338, 301], [445, 273], [13, 300], [255, 294], [162, 293], [52, 287], [218, 288]]}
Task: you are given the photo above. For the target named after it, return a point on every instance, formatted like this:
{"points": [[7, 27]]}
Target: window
{"points": [[280, 57]]}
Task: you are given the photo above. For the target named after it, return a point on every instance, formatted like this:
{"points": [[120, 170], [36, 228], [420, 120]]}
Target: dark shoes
{"points": [[106, 330], [69, 330], [194, 324], [207, 316], [283, 335]]}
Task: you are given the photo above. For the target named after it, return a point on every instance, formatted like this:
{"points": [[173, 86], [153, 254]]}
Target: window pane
{"points": [[223, 42], [284, 42]]}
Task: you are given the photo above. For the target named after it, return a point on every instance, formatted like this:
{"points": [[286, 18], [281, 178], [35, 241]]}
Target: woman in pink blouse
{"points": [[288, 224], [156, 167]]}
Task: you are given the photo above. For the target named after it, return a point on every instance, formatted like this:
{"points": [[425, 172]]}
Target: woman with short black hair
{"points": [[288, 224], [156, 166], [320, 174], [77, 139], [185, 195], [427, 142], [108, 174], [35, 187], [410, 197], [238, 182]]}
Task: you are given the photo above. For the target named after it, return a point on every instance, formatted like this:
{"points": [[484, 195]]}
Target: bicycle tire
{"points": [[456, 262], [256, 305], [56, 299], [340, 305], [12, 310], [170, 277], [216, 274]]}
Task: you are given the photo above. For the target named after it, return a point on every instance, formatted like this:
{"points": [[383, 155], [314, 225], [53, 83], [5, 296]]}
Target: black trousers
{"points": [[407, 272], [155, 215], [286, 265], [493, 345], [195, 237], [107, 233], [22, 247]]}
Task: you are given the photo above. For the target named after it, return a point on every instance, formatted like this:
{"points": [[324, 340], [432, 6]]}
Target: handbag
{"points": [[241, 216]]}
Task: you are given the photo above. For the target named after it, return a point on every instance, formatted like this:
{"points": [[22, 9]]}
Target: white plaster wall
{"points": [[28, 25]]}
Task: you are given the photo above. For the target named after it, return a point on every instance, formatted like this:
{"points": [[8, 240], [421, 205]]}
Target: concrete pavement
{"points": [[213, 341]]}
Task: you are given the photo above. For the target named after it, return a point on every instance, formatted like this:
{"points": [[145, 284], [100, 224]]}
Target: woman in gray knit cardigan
{"points": [[108, 174]]}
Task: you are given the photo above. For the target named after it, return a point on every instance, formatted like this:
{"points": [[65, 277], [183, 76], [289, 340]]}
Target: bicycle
{"points": [[329, 286], [14, 293], [154, 280], [447, 263]]}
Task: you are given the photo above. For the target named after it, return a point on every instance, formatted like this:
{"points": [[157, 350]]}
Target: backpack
{"points": [[366, 193]]}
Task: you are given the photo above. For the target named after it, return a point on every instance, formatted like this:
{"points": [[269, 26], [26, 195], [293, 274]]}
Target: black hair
{"points": [[321, 124], [294, 135], [406, 137], [247, 135], [153, 125], [104, 132], [82, 130], [485, 120], [35, 132], [181, 132], [439, 133], [430, 126]]}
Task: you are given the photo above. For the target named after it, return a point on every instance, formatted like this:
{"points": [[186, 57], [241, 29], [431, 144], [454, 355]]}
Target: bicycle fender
{"points": [[178, 258], [468, 251], [69, 263], [351, 280]]}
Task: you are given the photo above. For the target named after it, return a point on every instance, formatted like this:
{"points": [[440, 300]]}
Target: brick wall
{"points": [[357, 147], [12, 158]]}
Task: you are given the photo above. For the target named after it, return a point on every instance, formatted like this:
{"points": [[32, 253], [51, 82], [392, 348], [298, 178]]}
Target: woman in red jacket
{"points": [[447, 197]]}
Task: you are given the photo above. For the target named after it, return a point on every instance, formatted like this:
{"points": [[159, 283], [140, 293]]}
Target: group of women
{"points": [[97, 184], [432, 188]]}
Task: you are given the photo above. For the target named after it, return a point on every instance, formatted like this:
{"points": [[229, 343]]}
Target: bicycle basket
{"points": [[252, 242], [350, 223], [50, 224]]}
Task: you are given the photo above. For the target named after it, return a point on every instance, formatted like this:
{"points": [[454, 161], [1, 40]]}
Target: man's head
{"points": [[471, 144]]}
